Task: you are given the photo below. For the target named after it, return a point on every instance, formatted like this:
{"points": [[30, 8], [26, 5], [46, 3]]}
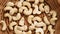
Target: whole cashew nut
{"points": [[36, 11], [12, 24], [39, 30], [21, 22], [46, 20], [40, 24], [10, 4], [41, 7], [30, 18], [17, 17], [4, 25], [50, 29], [9, 16]]}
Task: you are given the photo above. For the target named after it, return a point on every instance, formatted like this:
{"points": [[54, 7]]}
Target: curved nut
{"points": [[17, 31], [41, 7], [10, 4], [9, 16], [17, 17], [12, 24], [12, 11], [29, 32], [40, 24], [25, 3], [39, 30], [52, 21], [30, 18], [28, 12], [53, 13], [8, 8], [36, 2], [37, 18], [21, 22], [36, 11], [50, 29], [46, 20], [4, 25], [46, 9]]}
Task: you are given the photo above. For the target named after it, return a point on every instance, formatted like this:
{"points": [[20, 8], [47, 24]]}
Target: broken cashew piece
{"points": [[4, 25], [17, 17], [39, 30], [17, 31], [40, 24], [46, 7], [12, 24], [21, 22], [9, 16], [50, 29], [46, 20], [29, 32], [36, 11], [10, 4], [41, 7], [30, 18], [37, 18], [12, 11], [25, 3]]}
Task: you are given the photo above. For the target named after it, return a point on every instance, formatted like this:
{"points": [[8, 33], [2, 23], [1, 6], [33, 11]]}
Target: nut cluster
{"points": [[32, 11]]}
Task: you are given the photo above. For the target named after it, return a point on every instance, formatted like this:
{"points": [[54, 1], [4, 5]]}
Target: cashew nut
{"points": [[30, 18], [12, 24], [17, 31], [21, 22], [29, 32], [4, 25], [46, 20], [52, 21], [36, 2], [9, 16], [53, 13], [41, 7], [46, 9], [50, 29], [39, 30], [37, 18], [10, 4], [8, 8], [40, 24], [17, 17], [25, 3], [36, 11], [12, 11]]}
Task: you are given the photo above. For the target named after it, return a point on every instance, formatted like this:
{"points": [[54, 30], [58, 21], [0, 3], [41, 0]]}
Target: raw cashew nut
{"points": [[12, 24], [29, 32], [4, 25], [17, 17], [50, 29], [36, 11], [9, 16], [40, 24], [36, 2], [10, 4], [25, 3], [21, 22], [8, 8], [37, 18], [17, 31], [39, 30], [46, 20], [46, 9], [53, 13], [23, 28], [41, 7], [19, 3], [30, 18], [28, 12], [12, 11], [52, 21], [22, 8]]}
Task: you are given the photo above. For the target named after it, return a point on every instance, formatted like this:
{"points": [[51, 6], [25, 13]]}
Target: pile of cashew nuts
{"points": [[35, 12]]}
